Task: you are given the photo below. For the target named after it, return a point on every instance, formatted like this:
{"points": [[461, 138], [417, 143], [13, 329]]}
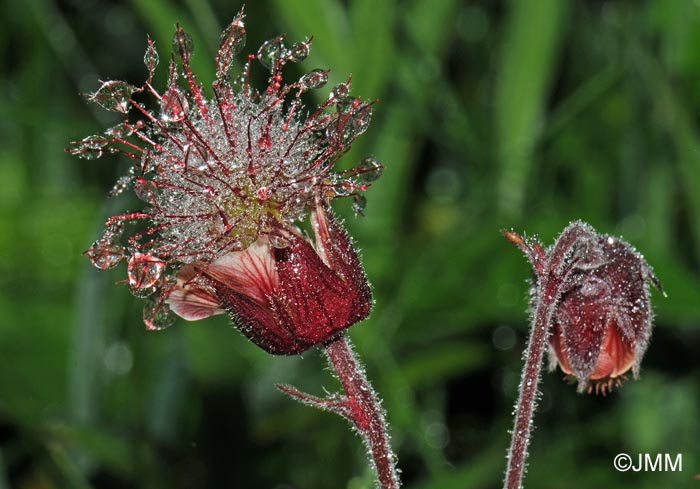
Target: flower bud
{"points": [[602, 319]]}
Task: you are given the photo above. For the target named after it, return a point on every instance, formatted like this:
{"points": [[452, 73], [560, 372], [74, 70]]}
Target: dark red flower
{"points": [[602, 321], [225, 179], [285, 299]]}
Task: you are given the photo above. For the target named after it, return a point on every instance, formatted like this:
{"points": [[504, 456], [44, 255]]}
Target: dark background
{"points": [[491, 114]]}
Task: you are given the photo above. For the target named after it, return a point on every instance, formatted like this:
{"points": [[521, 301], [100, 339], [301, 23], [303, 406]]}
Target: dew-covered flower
{"points": [[226, 177], [285, 299], [602, 319]]}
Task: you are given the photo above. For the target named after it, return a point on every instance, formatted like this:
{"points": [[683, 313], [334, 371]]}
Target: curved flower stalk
{"points": [[590, 307], [225, 180]]}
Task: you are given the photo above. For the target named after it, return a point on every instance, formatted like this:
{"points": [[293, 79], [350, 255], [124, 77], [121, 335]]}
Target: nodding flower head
{"points": [[225, 178], [602, 320]]}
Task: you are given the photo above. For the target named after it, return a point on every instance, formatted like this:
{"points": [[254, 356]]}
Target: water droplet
{"points": [[265, 142], [359, 202], [314, 79], [104, 254], [344, 104], [239, 83], [233, 41], [270, 52], [119, 131], [144, 270], [340, 96], [369, 169], [141, 292], [343, 133], [145, 190], [182, 44], [299, 52], [151, 58], [362, 121], [90, 148], [113, 96], [173, 105], [157, 314], [340, 91], [343, 188]]}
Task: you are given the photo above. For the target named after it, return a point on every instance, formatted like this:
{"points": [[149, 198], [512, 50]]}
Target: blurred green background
{"points": [[491, 114]]}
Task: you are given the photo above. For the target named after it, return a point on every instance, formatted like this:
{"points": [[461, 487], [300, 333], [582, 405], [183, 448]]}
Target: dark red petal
{"points": [[259, 323], [583, 320], [557, 350], [341, 255], [627, 273], [314, 301]]}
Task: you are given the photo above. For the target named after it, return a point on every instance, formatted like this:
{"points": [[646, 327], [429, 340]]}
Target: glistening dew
{"points": [[225, 179]]}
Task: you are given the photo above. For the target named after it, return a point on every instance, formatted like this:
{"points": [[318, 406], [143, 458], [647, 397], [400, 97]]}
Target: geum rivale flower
{"points": [[226, 180], [602, 317], [284, 299]]}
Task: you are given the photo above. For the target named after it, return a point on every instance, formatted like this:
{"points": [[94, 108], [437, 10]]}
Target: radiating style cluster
{"points": [[225, 178]]}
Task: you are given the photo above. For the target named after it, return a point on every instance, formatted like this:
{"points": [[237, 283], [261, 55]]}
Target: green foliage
{"points": [[490, 115]]}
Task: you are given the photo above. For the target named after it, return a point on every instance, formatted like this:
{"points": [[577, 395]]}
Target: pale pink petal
{"points": [[250, 272], [191, 301], [319, 223]]}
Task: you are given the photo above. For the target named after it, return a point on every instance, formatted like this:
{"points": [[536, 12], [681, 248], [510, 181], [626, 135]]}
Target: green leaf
{"points": [[529, 49]]}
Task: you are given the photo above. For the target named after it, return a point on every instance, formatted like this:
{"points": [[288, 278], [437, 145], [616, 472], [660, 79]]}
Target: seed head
{"points": [[226, 174]]}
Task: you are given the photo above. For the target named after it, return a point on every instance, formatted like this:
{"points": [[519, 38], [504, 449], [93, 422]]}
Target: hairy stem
{"points": [[527, 399], [364, 409]]}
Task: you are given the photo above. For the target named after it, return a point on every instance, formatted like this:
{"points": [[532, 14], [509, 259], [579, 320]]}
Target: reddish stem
{"points": [[527, 400], [364, 409]]}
